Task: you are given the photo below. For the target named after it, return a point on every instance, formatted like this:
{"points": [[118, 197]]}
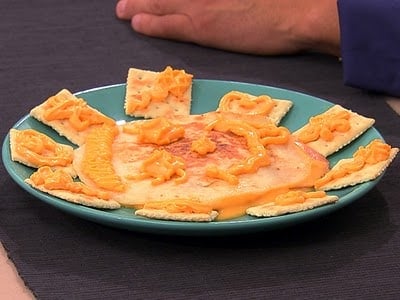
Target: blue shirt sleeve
{"points": [[370, 44]]}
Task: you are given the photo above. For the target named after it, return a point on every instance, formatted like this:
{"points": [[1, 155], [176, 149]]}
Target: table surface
{"points": [[352, 253]]}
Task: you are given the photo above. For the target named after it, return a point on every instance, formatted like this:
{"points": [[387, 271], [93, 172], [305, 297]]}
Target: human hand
{"points": [[264, 27]]}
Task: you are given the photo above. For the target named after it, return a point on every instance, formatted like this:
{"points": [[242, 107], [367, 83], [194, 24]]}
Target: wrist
{"points": [[320, 28]]}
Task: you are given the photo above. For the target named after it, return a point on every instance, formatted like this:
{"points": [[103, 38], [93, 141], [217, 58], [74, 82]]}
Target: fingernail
{"points": [[121, 5], [135, 21]]}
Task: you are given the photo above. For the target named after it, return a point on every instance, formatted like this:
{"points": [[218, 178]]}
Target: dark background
{"points": [[47, 45]]}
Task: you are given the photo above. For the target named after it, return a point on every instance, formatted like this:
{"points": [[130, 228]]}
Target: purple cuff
{"points": [[370, 44]]}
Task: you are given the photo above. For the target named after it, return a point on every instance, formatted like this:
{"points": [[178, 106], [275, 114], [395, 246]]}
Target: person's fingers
{"points": [[126, 9], [176, 26], [120, 10]]}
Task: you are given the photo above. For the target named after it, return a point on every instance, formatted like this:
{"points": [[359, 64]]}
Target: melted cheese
{"points": [[373, 153], [251, 164], [244, 103], [271, 134], [162, 166], [235, 206], [61, 180], [97, 161], [296, 197], [76, 111], [176, 82], [40, 150], [158, 131], [324, 126], [203, 145]]}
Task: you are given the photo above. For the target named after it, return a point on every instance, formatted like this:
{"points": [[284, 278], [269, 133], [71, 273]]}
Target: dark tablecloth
{"points": [[47, 45]]}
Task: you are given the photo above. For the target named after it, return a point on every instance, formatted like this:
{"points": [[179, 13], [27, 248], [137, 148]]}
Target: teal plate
{"points": [[206, 94]]}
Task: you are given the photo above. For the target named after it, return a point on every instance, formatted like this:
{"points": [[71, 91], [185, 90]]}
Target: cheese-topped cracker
{"points": [[366, 164], [330, 131], [70, 116], [244, 103], [152, 94], [35, 149], [178, 210], [60, 184], [291, 202]]}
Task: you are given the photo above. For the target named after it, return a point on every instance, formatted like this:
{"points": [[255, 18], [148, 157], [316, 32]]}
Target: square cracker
{"points": [[16, 155], [141, 81], [367, 173], [272, 210], [81, 199], [64, 127], [359, 124]]}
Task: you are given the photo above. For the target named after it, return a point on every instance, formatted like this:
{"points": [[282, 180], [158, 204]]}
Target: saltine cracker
{"points": [[272, 210], [186, 217], [367, 173], [359, 124], [63, 126], [140, 82]]}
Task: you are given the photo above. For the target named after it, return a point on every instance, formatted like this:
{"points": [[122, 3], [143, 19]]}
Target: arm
{"points": [[370, 44], [263, 27]]}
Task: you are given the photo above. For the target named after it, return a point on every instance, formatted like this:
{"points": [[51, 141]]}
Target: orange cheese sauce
{"points": [[203, 145], [60, 180], [323, 126], [373, 153], [163, 166], [242, 103], [272, 134], [40, 150], [235, 206], [97, 159], [297, 197], [157, 131], [76, 111], [256, 160], [176, 82]]}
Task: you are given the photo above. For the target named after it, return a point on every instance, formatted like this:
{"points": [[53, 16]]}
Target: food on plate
{"points": [[245, 163], [152, 94], [35, 149], [69, 115], [59, 183], [366, 164], [290, 202], [172, 165], [333, 129], [97, 169], [245, 103]]}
